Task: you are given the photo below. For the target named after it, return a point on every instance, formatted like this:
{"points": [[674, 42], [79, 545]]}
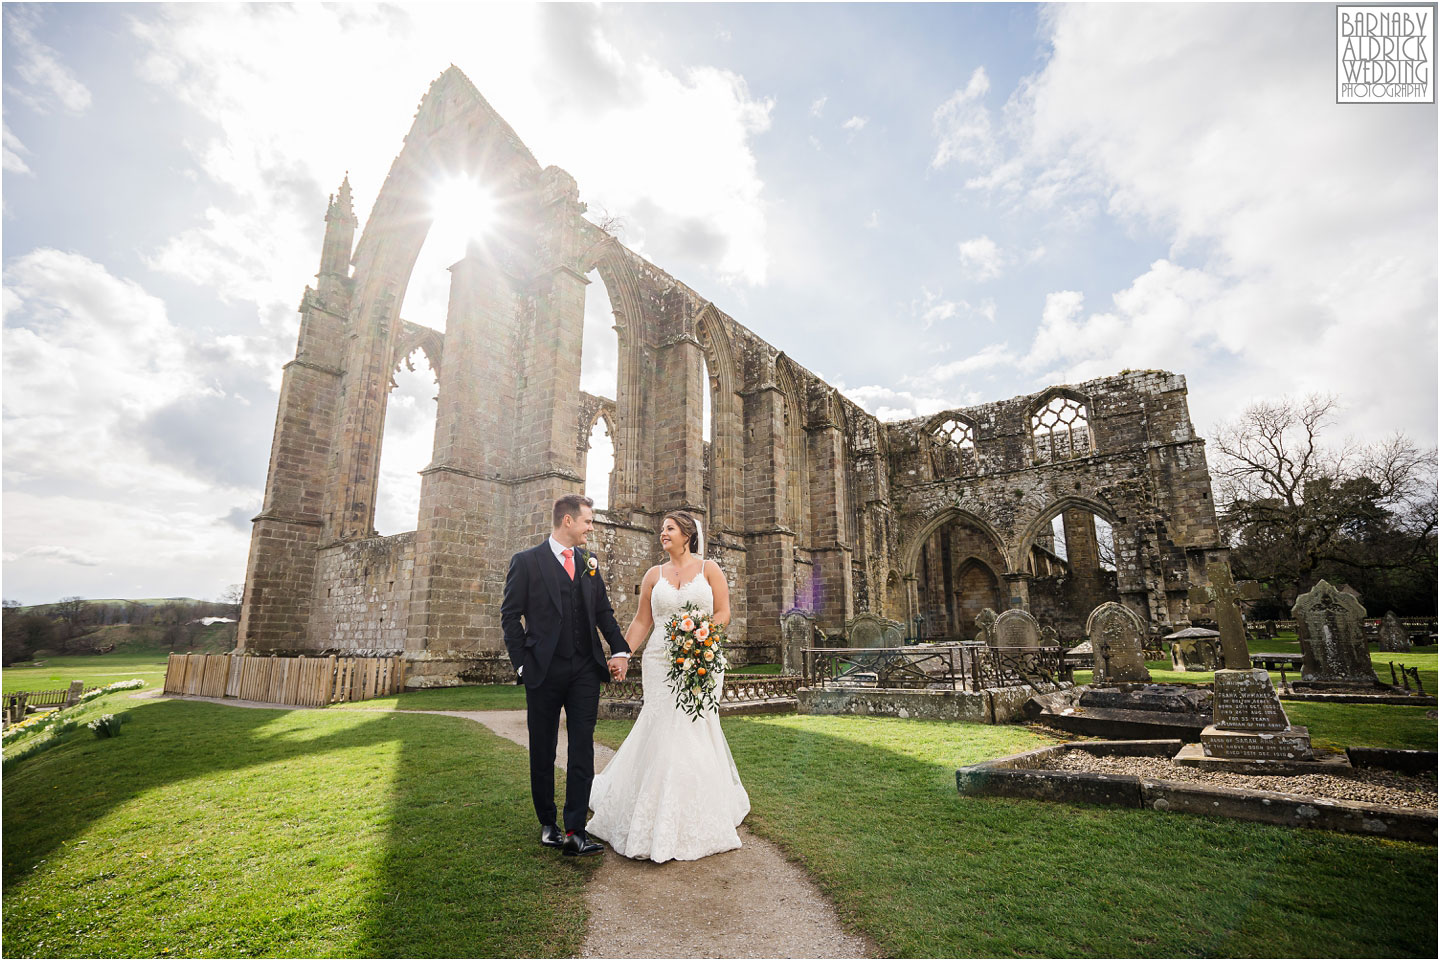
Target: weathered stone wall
{"points": [[362, 601]]}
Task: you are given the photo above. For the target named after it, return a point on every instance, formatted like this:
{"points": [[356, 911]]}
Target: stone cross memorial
{"points": [[1117, 637], [1332, 639], [985, 624], [1223, 592], [1017, 629], [1393, 636]]}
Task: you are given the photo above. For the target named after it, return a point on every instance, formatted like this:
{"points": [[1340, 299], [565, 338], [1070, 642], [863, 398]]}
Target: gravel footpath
{"points": [[773, 909], [1365, 784]]}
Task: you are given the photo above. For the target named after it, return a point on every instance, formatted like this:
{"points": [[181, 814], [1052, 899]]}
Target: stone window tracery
{"points": [[1061, 429], [954, 448]]}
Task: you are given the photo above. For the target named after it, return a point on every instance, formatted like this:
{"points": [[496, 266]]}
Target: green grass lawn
{"points": [[96, 670], [1334, 727], [1423, 658], [868, 806], [205, 830], [480, 697]]}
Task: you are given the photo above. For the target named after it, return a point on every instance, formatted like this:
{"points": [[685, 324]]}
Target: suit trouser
{"points": [[574, 684]]}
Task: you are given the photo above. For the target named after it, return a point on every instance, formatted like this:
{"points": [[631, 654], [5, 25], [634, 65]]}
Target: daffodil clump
{"points": [[697, 658]]}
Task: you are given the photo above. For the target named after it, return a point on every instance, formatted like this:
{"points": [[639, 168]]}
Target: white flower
{"points": [[591, 562], [689, 662]]}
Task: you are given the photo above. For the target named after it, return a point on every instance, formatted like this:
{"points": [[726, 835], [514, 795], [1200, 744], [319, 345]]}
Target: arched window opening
{"points": [[1061, 429], [407, 445], [599, 464], [707, 436], [954, 448], [463, 211], [957, 579], [1105, 543], [599, 375]]}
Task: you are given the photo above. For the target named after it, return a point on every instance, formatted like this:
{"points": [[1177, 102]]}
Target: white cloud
{"points": [[119, 443], [962, 125], [815, 142], [818, 107], [988, 358], [872, 221], [932, 308], [88, 356], [688, 189], [49, 82], [1292, 259], [981, 258], [65, 555], [855, 124], [890, 404], [13, 162]]}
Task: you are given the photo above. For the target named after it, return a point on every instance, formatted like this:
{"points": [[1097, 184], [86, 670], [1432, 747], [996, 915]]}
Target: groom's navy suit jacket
{"points": [[532, 590]]}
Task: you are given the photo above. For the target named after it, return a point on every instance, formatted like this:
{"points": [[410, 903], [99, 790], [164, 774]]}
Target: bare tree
{"points": [[1294, 509]]}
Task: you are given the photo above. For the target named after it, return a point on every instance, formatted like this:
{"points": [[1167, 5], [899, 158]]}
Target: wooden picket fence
{"points": [[301, 681]]}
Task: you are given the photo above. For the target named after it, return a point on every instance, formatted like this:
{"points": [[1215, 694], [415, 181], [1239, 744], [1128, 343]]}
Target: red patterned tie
{"points": [[569, 561]]}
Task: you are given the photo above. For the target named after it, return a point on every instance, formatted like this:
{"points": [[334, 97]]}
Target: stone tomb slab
{"points": [[1292, 744]]}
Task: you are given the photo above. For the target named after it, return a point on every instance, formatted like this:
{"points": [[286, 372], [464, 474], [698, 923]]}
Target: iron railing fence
{"points": [[967, 666]]}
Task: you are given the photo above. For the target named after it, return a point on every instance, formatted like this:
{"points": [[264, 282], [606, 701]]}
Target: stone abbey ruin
{"points": [[810, 502]]}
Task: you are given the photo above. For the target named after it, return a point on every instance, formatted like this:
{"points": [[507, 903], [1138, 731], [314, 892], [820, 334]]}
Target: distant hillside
{"points": [[143, 601]]}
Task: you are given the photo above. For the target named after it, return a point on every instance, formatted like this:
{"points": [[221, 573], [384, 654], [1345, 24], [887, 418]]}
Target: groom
{"points": [[555, 589]]}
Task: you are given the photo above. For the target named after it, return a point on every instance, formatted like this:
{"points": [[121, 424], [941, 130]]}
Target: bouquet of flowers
{"points": [[697, 655]]}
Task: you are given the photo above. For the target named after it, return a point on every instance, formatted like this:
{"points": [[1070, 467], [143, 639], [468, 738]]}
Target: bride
{"points": [[672, 790]]}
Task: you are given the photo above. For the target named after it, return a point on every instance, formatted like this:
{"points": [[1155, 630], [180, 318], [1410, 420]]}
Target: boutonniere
{"points": [[592, 564]]}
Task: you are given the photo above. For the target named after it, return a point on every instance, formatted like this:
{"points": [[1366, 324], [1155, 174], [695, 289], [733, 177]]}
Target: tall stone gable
{"points": [[810, 503]]}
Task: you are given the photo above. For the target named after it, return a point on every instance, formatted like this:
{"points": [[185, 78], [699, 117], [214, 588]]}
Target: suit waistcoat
{"points": [[573, 623]]}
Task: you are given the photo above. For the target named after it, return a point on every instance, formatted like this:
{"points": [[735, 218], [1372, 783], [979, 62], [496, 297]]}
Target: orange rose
{"points": [[702, 670], [679, 660], [708, 643]]}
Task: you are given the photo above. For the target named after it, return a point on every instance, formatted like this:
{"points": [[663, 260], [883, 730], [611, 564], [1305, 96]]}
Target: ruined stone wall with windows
{"points": [[808, 501]]}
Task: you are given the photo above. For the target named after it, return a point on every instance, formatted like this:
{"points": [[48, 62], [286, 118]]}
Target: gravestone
{"points": [[1251, 731], [1049, 637], [1223, 592], [985, 625], [1329, 624], [1016, 628], [797, 632], [1117, 637], [1195, 649], [1393, 636], [868, 630]]}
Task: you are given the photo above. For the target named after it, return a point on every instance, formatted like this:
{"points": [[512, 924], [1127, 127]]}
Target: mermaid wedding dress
{"points": [[672, 790]]}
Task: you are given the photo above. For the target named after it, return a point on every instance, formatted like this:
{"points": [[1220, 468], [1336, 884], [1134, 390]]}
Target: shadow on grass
{"points": [[869, 807], [213, 830]]}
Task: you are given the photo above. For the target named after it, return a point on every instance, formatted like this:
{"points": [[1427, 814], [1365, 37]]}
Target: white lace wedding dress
{"points": [[672, 790]]}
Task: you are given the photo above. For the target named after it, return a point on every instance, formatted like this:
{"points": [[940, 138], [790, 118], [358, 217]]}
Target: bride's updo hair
{"points": [[688, 528]]}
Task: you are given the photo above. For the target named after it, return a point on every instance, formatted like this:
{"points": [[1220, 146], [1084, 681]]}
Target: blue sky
{"points": [[928, 205]]}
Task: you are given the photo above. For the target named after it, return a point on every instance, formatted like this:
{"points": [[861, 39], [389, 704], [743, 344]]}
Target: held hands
{"points": [[618, 667]]}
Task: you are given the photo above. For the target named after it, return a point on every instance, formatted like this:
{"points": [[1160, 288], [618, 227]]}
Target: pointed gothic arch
{"points": [[726, 419]]}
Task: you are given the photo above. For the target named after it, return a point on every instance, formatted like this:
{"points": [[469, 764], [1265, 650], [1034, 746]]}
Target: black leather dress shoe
{"points": [[551, 836], [578, 843]]}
